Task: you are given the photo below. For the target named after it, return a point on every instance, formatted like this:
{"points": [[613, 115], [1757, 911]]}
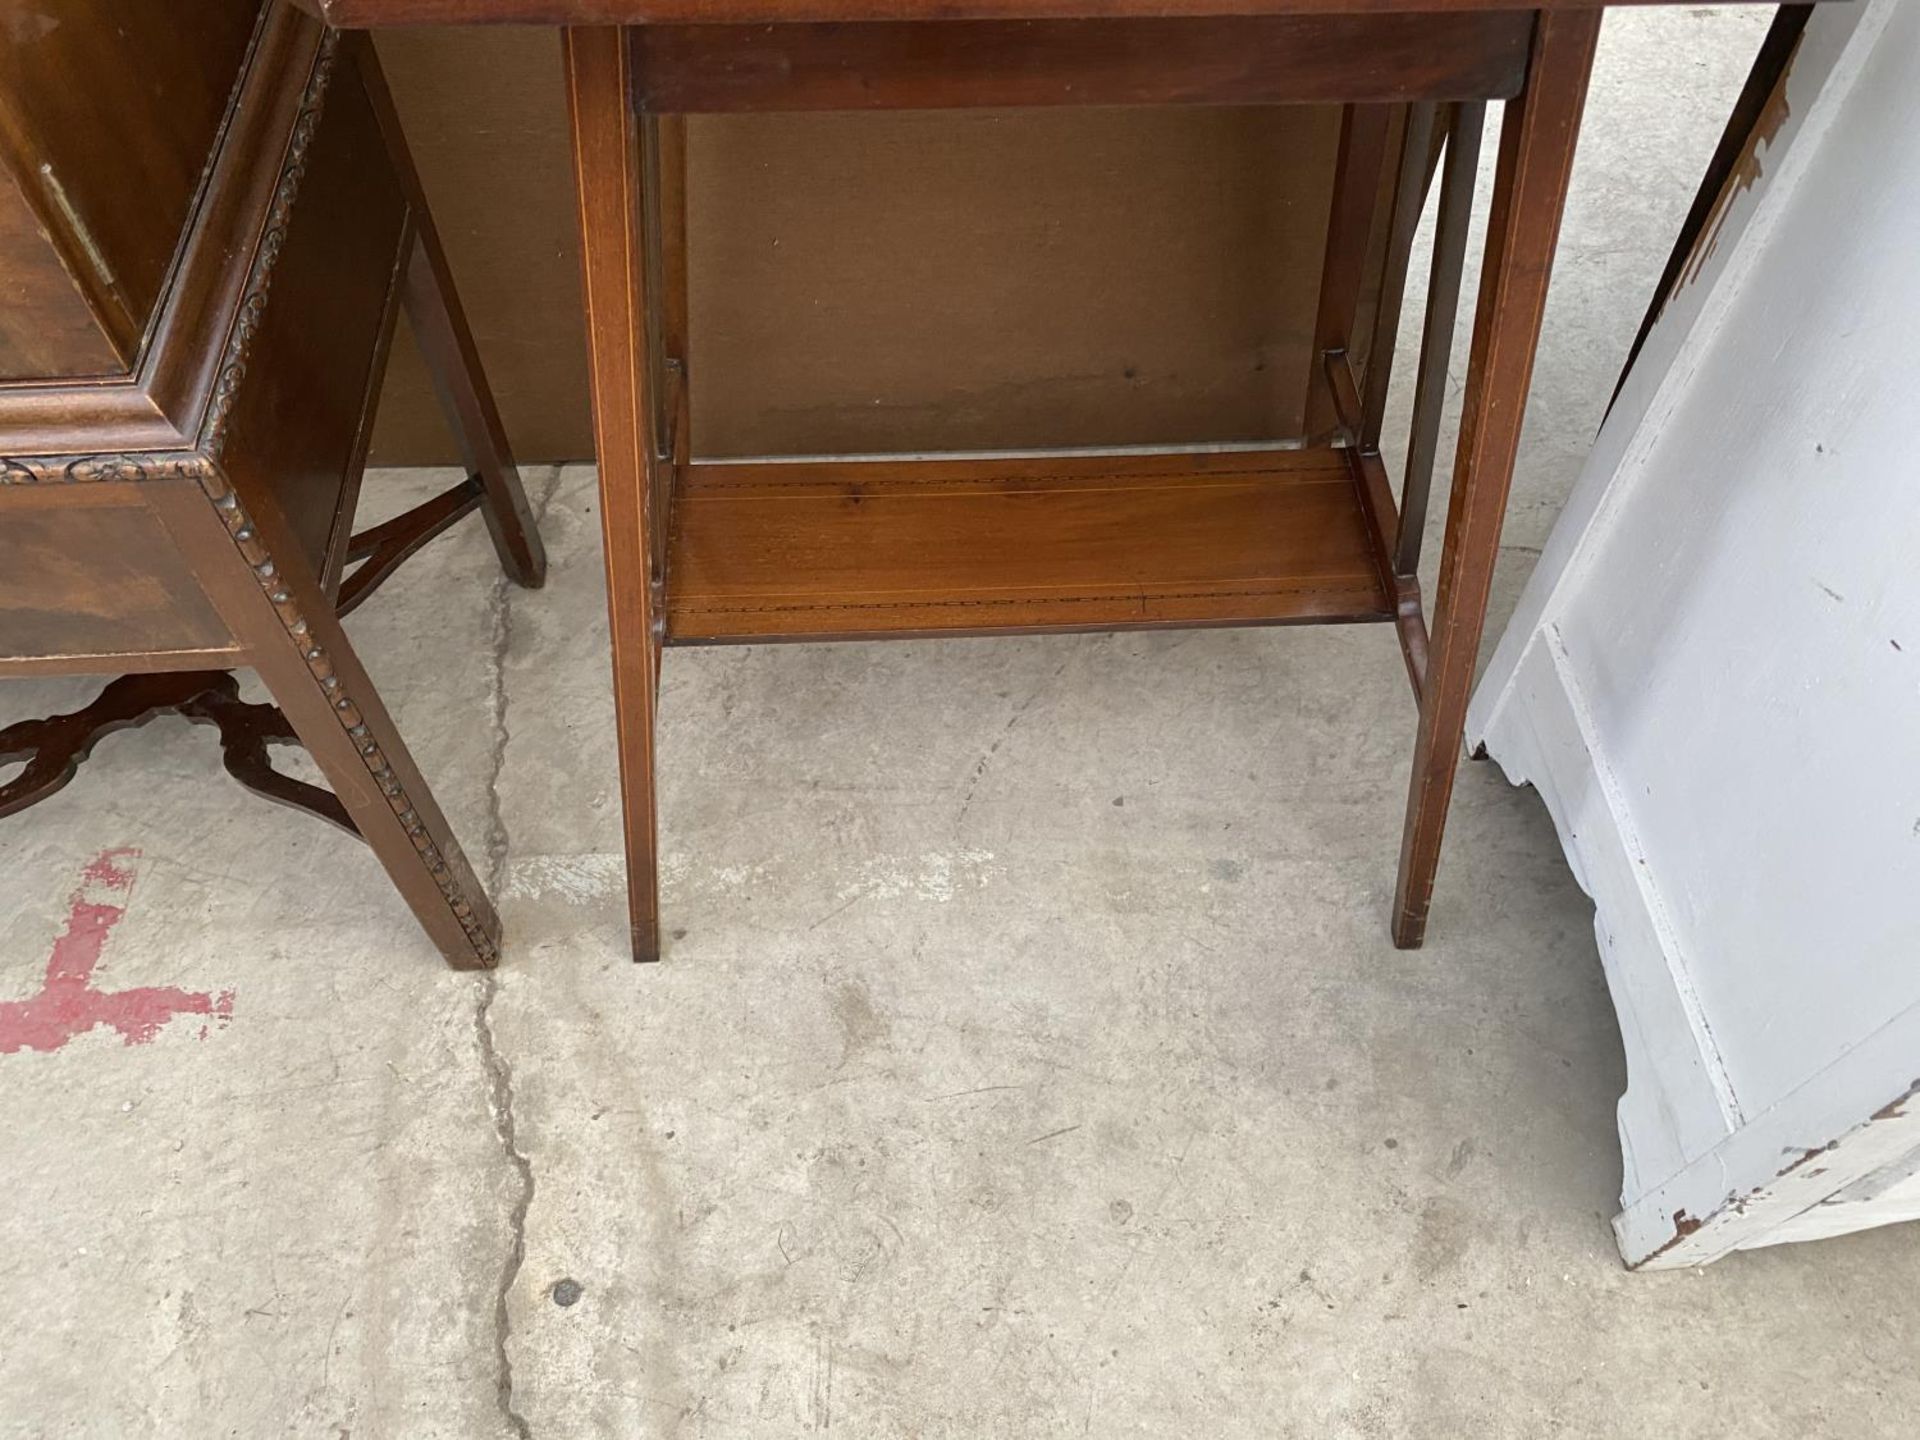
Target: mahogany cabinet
{"points": [[209, 225]]}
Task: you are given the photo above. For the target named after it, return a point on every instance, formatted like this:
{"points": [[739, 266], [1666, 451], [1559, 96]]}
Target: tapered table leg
{"points": [[1362, 156], [607, 155], [1530, 186], [1464, 122]]}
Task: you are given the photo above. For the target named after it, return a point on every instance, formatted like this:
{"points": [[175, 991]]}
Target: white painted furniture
{"points": [[1714, 681]]}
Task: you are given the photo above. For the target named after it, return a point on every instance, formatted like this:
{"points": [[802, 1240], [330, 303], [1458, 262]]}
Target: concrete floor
{"points": [[1031, 1059]]}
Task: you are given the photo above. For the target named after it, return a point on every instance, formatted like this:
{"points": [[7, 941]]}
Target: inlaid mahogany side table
{"points": [[1304, 530]]}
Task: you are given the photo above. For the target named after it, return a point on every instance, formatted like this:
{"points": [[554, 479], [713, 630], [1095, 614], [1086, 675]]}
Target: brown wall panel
{"points": [[485, 113], [947, 280], [869, 282]]}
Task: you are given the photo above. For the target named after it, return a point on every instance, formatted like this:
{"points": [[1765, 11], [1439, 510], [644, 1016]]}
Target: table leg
{"points": [[1364, 134], [674, 300], [607, 148], [1403, 219], [1464, 124], [1536, 160]]}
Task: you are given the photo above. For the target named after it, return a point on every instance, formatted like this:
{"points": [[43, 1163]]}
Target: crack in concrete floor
{"points": [[497, 1068], [499, 1073]]}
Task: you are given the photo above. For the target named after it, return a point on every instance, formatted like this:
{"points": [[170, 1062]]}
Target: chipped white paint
{"points": [[1714, 680]]}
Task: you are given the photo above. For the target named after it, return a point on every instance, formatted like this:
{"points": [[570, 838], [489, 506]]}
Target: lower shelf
{"points": [[849, 548]]}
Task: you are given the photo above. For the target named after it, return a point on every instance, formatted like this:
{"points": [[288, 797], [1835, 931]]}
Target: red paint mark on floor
{"points": [[68, 1004]]}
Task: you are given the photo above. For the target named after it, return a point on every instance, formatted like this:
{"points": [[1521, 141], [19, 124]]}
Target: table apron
{"points": [[1223, 60]]}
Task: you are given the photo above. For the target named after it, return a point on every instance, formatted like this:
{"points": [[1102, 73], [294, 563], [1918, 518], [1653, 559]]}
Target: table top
{"points": [[366, 14]]}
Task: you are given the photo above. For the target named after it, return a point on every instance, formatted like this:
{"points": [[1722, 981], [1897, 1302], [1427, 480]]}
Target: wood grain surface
{"points": [[368, 13], [865, 548]]}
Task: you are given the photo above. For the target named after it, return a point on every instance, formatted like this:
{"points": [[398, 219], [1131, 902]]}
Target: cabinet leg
{"points": [[367, 765], [440, 327], [1536, 161], [614, 237], [274, 604]]}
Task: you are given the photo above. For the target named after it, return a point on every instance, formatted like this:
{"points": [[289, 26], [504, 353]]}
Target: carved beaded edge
{"points": [[198, 465]]}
